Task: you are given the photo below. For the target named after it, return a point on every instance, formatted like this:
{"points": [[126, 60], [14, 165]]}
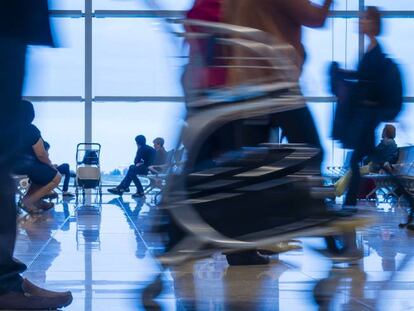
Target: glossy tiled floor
{"points": [[103, 254]]}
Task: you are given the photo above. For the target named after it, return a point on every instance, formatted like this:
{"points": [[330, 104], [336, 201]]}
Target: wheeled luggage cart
{"points": [[88, 170]]}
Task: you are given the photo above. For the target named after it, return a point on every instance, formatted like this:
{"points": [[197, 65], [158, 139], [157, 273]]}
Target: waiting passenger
{"points": [[143, 159], [385, 154], [33, 160], [160, 161], [64, 170]]}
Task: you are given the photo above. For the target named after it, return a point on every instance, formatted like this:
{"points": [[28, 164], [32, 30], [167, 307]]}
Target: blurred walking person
{"points": [[22, 22]]}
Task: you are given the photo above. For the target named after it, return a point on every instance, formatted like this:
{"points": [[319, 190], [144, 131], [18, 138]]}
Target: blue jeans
{"points": [[131, 176]]}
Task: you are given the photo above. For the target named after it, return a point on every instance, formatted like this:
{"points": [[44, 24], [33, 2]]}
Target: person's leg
{"points": [[130, 176], [64, 170], [12, 61], [32, 197], [141, 170], [298, 126], [10, 269], [351, 197]]}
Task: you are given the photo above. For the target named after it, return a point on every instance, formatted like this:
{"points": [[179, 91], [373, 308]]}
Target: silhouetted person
{"points": [[161, 155], [33, 160], [64, 170], [22, 22], [143, 159], [369, 118], [386, 153]]}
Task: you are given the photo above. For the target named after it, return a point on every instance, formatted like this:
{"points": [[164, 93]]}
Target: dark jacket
{"points": [[160, 157], [386, 151], [27, 20], [145, 155], [358, 114]]}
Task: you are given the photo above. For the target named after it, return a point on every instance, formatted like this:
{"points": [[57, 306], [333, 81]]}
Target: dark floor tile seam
{"points": [[29, 265], [133, 224]]}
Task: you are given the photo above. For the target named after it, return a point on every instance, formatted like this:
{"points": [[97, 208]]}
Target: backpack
{"points": [[390, 91]]}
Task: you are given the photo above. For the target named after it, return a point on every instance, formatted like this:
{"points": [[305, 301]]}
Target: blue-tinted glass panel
{"points": [[397, 43], [58, 71], [405, 126], [398, 5], [338, 41], [341, 5], [66, 4], [135, 57], [142, 4], [62, 125], [115, 126]]}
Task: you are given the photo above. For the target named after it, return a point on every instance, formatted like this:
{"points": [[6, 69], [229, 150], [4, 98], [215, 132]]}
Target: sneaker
{"points": [[32, 297], [117, 190], [138, 195]]}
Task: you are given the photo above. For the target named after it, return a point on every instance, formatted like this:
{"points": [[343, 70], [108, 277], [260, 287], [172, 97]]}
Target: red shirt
{"points": [[211, 11], [206, 10]]}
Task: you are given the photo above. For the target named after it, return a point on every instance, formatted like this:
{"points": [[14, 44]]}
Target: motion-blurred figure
{"points": [[22, 22], [284, 21], [376, 97]]}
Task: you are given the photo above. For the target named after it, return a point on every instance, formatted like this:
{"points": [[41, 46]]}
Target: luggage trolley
{"points": [[242, 194], [88, 169]]}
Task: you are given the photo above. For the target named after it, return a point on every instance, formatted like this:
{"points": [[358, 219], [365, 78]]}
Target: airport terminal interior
{"points": [[116, 72]]}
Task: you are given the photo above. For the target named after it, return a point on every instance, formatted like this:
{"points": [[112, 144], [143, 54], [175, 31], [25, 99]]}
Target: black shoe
{"points": [[138, 195], [248, 258], [118, 190], [32, 297]]}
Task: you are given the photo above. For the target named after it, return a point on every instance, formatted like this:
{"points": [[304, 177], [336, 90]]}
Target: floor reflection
{"points": [[104, 253]]}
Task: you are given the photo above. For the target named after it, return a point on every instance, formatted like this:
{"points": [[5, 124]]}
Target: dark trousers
{"points": [[12, 63], [364, 132], [64, 170], [131, 176]]}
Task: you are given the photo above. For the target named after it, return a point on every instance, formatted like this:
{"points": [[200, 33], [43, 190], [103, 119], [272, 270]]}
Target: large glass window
{"points": [[135, 57], [66, 4], [397, 44], [398, 5], [338, 41], [58, 71], [62, 126], [116, 124], [142, 4]]}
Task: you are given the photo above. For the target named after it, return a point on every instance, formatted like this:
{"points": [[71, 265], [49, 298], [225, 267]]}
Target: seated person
{"points": [[33, 160], [161, 155], [64, 170], [143, 159], [386, 153]]}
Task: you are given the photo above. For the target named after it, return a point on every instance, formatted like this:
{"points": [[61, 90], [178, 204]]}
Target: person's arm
{"points": [[138, 157], [306, 13], [41, 153]]}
